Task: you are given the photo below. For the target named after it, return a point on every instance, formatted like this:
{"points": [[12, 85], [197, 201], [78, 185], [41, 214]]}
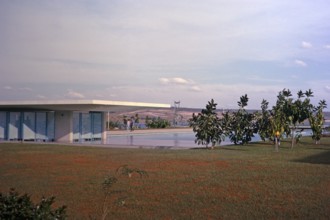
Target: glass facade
{"points": [[87, 127], [3, 123], [40, 126], [27, 126]]}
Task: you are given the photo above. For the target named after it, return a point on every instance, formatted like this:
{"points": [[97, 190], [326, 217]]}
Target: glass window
{"points": [[3, 125], [41, 126], [14, 126], [97, 125], [29, 126], [86, 133], [50, 126]]}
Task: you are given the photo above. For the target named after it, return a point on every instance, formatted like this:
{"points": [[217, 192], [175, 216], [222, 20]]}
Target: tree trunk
{"points": [[276, 144], [292, 137]]}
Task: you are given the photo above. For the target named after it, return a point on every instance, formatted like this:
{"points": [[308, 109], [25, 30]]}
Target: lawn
{"points": [[232, 182]]}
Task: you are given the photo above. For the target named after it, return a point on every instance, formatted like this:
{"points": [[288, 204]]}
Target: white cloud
{"points": [[196, 89], [327, 46], [306, 45], [73, 94], [300, 63], [175, 81], [164, 81]]}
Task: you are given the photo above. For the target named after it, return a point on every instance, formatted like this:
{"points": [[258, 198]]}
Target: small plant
{"points": [[108, 182], [16, 206], [125, 170]]}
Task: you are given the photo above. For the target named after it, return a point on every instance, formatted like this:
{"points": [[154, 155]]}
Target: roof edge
{"points": [[84, 102]]}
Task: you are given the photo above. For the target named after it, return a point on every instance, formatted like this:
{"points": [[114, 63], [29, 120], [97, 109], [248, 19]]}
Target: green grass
{"points": [[232, 182]]}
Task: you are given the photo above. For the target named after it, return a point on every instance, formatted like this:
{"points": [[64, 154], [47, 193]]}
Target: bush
{"points": [[157, 123], [16, 206]]}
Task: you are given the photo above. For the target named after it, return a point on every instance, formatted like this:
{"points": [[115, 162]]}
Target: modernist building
{"points": [[61, 121]]}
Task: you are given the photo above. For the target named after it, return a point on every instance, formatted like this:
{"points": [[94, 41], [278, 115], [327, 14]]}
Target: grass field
{"points": [[232, 182]]}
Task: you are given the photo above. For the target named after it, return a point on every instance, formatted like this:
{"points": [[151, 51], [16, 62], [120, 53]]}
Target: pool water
{"points": [[166, 140]]}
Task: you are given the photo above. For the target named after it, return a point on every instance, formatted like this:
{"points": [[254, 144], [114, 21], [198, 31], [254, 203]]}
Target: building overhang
{"points": [[77, 105]]}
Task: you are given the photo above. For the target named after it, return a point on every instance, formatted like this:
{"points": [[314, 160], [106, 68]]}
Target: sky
{"points": [[163, 51]]}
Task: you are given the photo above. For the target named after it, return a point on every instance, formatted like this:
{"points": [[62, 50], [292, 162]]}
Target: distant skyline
{"points": [[164, 51]]}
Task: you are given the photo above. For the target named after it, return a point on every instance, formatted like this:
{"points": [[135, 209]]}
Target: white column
{"points": [[104, 128]]}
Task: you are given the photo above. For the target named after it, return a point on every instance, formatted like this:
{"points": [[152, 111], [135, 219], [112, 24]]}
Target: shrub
{"points": [[16, 206], [157, 123]]}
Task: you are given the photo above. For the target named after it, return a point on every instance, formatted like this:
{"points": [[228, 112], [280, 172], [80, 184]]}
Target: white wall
{"points": [[63, 126]]}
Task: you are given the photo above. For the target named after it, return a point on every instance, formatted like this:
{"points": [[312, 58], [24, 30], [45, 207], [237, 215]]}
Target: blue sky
{"points": [[164, 51]]}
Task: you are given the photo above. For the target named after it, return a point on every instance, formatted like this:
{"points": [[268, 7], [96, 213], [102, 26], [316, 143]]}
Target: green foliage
{"points": [[298, 110], [207, 126], [263, 122], [287, 114], [157, 123], [113, 124], [16, 206], [241, 125], [316, 120]]}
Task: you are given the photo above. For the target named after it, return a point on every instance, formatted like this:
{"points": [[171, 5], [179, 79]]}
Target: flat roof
{"points": [[78, 105]]}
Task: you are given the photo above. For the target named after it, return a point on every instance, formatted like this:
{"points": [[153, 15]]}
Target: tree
{"points": [[207, 126], [279, 121], [263, 121], [316, 121], [240, 126], [298, 111]]}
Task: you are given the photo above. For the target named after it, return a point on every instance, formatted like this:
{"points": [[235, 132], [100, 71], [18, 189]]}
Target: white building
{"points": [[64, 121]]}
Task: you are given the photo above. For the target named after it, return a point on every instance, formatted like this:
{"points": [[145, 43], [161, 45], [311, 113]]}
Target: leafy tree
{"points": [[16, 206], [298, 111], [316, 121], [264, 121], [240, 125], [207, 126], [279, 121]]}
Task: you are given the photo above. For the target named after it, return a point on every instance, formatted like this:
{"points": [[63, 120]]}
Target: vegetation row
{"points": [[271, 124]]}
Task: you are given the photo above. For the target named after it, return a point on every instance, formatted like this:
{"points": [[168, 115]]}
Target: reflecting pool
{"points": [[178, 140]]}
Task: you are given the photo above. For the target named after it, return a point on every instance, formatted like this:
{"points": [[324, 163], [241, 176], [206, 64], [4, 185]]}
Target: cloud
{"points": [[26, 89], [327, 46], [195, 89], [73, 94], [300, 63], [327, 88], [306, 45], [175, 81], [41, 96], [7, 87]]}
